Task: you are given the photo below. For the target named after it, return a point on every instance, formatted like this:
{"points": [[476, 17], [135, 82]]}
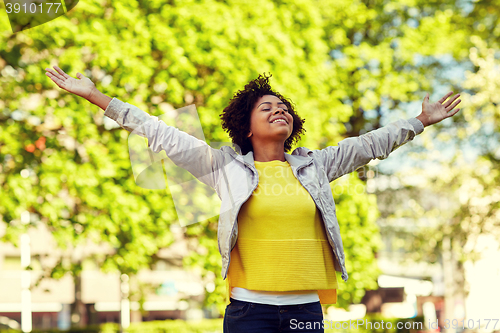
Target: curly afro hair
{"points": [[236, 116]]}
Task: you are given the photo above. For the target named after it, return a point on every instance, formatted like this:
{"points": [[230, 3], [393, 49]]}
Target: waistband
{"points": [[288, 306]]}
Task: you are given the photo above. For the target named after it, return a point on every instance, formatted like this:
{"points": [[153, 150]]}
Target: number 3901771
{"points": [[32, 7]]}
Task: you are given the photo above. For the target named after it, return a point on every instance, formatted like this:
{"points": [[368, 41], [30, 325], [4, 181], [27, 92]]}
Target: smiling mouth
{"points": [[279, 121]]}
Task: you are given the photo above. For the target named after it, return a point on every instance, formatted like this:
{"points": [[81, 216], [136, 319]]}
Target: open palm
{"points": [[82, 86], [435, 112]]}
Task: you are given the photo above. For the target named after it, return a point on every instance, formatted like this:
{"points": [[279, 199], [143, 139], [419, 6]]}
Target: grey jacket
{"points": [[226, 171]]}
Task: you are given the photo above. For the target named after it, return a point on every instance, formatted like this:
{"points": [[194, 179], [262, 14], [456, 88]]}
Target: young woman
{"points": [[278, 233]]}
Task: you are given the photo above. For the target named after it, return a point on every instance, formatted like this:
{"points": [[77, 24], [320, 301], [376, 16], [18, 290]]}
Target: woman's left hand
{"points": [[435, 112]]}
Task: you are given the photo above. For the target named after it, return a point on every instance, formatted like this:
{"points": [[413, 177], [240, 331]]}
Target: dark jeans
{"points": [[247, 317]]}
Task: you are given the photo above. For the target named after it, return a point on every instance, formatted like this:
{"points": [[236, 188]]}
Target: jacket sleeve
{"points": [[186, 151], [354, 152]]}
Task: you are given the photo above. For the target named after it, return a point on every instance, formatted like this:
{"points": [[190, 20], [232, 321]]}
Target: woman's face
{"points": [[270, 120]]}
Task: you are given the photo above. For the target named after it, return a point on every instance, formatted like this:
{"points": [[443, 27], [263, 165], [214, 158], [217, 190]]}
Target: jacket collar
{"points": [[295, 160]]}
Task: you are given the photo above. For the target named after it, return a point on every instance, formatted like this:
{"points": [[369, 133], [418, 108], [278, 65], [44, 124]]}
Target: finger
{"points": [[57, 80], [445, 97], [448, 102], [426, 98], [51, 76], [54, 79], [54, 73], [451, 114], [448, 108], [60, 71]]}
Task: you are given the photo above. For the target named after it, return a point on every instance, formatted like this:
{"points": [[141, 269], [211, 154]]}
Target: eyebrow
{"points": [[269, 103]]}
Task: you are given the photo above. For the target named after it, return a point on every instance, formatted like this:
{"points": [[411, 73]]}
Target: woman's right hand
{"points": [[83, 87]]}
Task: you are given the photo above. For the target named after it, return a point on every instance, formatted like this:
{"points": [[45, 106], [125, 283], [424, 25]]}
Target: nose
{"points": [[278, 110]]}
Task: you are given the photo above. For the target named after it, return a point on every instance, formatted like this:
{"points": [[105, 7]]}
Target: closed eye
{"points": [[270, 109]]}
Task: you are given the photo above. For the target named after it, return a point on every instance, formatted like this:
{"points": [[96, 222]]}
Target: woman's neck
{"points": [[269, 152]]}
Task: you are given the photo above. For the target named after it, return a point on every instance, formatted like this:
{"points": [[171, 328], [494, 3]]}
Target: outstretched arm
{"points": [[186, 151], [354, 152]]}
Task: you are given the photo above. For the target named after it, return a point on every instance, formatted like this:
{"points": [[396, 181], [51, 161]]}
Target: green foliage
{"points": [[470, 184], [357, 214], [384, 54], [455, 205]]}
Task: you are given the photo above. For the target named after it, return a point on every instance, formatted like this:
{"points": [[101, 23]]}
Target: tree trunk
{"points": [[78, 310]]}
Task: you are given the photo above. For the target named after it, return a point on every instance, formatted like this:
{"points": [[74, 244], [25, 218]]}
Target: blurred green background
{"points": [[349, 67]]}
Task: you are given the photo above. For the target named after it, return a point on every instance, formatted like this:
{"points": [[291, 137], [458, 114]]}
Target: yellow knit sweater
{"points": [[282, 244]]}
